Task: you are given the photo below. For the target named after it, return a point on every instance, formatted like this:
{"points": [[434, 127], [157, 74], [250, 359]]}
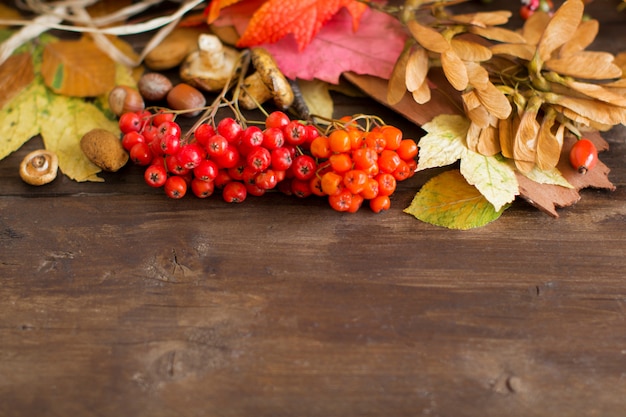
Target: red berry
{"points": [[191, 155], [266, 179], [202, 189], [161, 117], [273, 138], [141, 154], [216, 145], [130, 122], [295, 133], [175, 187], [583, 156], [166, 129], [170, 144], [230, 129], [252, 136], [174, 166], [229, 159], [277, 119], [203, 133], [234, 192], [281, 158], [303, 167], [155, 175], [206, 170], [130, 139]]}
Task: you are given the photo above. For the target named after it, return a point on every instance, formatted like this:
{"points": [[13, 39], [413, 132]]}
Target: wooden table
{"points": [[117, 301]]}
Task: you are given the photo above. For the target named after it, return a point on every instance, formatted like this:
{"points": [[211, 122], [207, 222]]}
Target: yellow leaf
{"points": [[60, 120], [444, 143], [77, 69], [317, 97], [447, 200], [492, 176]]}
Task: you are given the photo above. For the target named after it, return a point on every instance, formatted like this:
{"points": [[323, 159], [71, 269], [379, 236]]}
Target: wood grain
{"points": [[116, 301]]}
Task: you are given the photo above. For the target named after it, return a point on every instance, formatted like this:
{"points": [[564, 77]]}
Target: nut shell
{"points": [[154, 86], [104, 149], [124, 99], [185, 97], [39, 167]]}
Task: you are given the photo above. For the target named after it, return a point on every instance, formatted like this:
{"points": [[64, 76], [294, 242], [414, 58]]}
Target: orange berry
{"points": [[355, 180], [340, 162], [392, 135], [339, 141], [341, 201], [331, 183], [380, 203], [407, 149], [320, 147]]}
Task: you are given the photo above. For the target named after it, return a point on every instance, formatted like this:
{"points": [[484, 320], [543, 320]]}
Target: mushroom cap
{"points": [[39, 167], [273, 78], [210, 66]]}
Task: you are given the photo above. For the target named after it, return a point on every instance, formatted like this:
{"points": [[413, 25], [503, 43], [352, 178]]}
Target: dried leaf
{"points": [[455, 70], [444, 143], [428, 37], [586, 64], [561, 28], [483, 19], [15, 74], [470, 51], [550, 176], [317, 97], [492, 176], [77, 69], [447, 200], [585, 35]]}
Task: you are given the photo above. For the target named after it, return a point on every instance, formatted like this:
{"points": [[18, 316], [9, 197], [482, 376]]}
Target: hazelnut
{"points": [[39, 167], [124, 99], [104, 149], [154, 86], [185, 97]]}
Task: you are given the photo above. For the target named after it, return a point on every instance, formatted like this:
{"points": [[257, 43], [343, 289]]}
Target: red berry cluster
{"points": [[348, 165]]}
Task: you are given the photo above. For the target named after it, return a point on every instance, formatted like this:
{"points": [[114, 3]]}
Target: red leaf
{"points": [[301, 18]]}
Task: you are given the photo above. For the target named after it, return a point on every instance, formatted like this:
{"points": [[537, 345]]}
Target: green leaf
{"points": [[444, 144], [447, 200], [492, 176]]}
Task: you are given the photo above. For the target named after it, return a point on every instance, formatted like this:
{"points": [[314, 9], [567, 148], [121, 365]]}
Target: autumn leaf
{"points": [[447, 200], [303, 19], [60, 120], [444, 142], [492, 176], [213, 10], [77, 68]]}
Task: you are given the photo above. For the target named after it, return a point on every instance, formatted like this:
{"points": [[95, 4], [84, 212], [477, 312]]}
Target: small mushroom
{"points": [[268, 82], [210, 67], [39, 167]]}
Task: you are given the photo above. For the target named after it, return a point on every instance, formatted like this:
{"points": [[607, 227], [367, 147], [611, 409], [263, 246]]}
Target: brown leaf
{"points": [[455, 70], [77, 68], [15, 74], [585, 35], [428, 37], [586, 64], [548, 198], [483, 19], [443, 101], [561, 28], [470, 51]]}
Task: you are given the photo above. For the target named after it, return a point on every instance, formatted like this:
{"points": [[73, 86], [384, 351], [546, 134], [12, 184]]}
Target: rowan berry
{"points": [[216, 145], [303, 167], [331, 183], [320, 147], [230, 129], [130, 122], [388, 161], [202, 189], [175, 187], [341, 201], [203, 133], [392, 135], [191, 155], [407, 149], [370, 190], [206, 171], [141, 154], [355, 180], [259, 158], [300, 188], [376, 141], [155, 175], [583, 156], [273, 138], [277, 119], [295, 133], [386, 184], [380, 203], [340, 162], [130, 139], [339, 141], [234, 192]]}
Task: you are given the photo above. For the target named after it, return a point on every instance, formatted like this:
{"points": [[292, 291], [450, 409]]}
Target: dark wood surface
{"points": [[116, 301]]}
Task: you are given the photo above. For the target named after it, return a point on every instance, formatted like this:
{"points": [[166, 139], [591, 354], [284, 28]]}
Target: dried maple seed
{"points": [[39, 167], [583, 156], [154, 86]]}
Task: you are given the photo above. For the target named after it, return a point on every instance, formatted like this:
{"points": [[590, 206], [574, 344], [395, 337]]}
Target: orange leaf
{"points": [[276, 19], [213, 10]]}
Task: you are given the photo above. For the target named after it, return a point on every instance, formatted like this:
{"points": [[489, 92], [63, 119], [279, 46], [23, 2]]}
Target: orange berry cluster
{"points": [[355, 165]]}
